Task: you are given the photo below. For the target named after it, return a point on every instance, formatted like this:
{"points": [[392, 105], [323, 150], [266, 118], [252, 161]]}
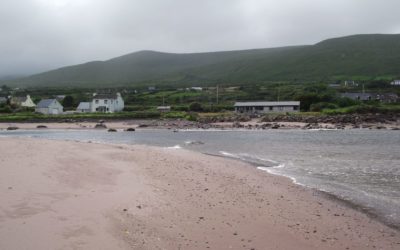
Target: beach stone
{"points": [[12, 128], [100, 125], [275, 126], [112, 130], [130, 130], [41, 126]]}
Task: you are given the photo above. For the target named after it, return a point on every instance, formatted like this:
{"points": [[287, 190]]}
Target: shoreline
{"points": [[254, 124], [195, 186]]}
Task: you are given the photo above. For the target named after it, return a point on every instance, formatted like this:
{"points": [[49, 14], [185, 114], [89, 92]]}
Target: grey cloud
{"points": [[38, 35]]}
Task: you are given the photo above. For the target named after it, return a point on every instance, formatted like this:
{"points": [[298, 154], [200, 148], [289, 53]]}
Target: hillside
{"points": [[359, 56]]}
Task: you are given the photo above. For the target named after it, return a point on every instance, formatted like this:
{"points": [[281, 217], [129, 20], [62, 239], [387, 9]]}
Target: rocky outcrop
{"points": [[355, 119]]}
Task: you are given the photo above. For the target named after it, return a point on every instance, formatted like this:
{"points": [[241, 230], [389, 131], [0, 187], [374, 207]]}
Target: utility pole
{"points": [[217, 94], [279, 92]]}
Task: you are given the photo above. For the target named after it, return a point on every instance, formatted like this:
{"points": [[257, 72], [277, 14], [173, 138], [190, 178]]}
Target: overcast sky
{"points": [[39, 35]]}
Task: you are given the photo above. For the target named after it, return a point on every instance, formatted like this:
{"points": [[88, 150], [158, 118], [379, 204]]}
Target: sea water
{"points": [[358, 166]]}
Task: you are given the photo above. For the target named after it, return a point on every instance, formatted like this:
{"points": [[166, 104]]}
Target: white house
{"points": [[107, 103], [3, 100], [267, 107], [164, 108], [49, 107], [395, 83], [84, 107], [25, 101]]}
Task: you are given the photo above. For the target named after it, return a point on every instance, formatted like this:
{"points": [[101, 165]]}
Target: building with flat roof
{"points": [[267, 107]]}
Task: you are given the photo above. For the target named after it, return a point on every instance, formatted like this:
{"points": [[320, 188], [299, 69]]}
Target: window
{"points": [[259, 108], [105, 101], [96, 101]]}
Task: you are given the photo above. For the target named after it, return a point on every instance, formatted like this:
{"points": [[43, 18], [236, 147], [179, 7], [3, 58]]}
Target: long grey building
{"points": [[267, 107]]}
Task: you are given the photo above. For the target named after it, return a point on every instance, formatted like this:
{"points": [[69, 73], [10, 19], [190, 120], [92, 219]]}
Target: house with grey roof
{"points": [[382, 97], [84, 107], [267, 107], [49, 107]]}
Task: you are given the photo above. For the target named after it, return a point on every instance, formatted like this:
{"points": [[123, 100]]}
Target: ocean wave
{"points": [[252, 159]]}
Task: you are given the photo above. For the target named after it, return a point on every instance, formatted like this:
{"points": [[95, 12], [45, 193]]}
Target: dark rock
{"points": [[112, 130], [130, 130], [12, 128], [41, 126], [143, 126], [275, 126], [100, 125]]}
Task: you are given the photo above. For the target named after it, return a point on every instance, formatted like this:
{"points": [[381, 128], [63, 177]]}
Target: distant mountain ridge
{"points": [[361, 56]]}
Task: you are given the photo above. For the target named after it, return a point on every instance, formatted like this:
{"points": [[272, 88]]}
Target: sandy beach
{"points": [[75, 195]]}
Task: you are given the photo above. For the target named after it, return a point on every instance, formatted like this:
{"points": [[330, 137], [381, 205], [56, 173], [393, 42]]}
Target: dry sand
{"points": [[70, 195]]}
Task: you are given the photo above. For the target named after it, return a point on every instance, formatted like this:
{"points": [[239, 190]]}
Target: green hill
{"points": [[353, 57]]}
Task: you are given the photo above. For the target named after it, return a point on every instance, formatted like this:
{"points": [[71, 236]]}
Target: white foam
{"points": [[270, 171], [175, 147], [229, 154]]}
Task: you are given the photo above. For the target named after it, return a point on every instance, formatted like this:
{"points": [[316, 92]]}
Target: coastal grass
{"points": [[364, 109]]}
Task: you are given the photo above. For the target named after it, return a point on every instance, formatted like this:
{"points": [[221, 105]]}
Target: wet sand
{"points": [[71, 195]]}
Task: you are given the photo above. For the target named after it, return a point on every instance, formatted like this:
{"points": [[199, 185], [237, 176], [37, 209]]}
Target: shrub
{"points": [[195, 106], [174, 115], [191, 116], [318, 107], [5, 109]]}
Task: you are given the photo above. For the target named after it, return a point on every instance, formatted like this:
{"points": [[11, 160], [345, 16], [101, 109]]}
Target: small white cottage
{"points": [[164, 108], [24, 101], [107, 103], [49, 107]]}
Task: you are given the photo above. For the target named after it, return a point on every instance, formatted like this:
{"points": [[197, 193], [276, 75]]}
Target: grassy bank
{"points": [[364, 109]]}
